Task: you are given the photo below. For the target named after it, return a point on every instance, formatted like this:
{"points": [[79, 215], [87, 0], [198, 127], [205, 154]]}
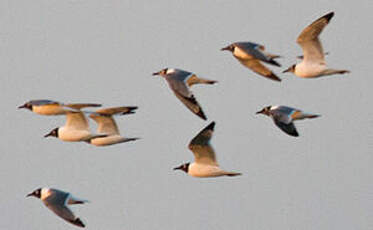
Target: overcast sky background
{"points": [[105, 51]]}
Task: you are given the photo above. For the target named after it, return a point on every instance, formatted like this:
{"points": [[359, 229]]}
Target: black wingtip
{"points": [[294, 134], [329, 16], [211, 126], [274, 77], [131, 110], [78, 222], [133, 107], [201, 114], [273, 62]]}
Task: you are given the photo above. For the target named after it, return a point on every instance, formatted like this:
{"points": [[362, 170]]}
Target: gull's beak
{"points": [[22, 106], [287, 70], [225, 48], [259, 112], [178, 168], [155, 74], [30, 194], [47, 135]]}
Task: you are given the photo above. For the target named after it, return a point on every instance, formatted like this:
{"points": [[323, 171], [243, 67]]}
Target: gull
{"points": [[75, 129], [58, 201], [251, 54], [49, 107], [205, 164], [179, 82], [284, 116], [313, 64], [107, 125]]}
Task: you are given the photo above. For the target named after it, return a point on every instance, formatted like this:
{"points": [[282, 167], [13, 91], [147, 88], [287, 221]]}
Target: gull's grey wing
{"points": [[81, 105], [287, 114], [57, 201], [282, 114], [309, 41], [76, 120], [257, 52], [178, 85], [201, 148], [43, 102], [180, 75], [117, 110], [65, 213], [192, 104], [285, 109], [104, 118], [258, 68], [106, 124], [287, 128]]}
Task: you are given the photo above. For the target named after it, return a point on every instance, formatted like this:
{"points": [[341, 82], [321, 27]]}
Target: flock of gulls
{"points": [[251, 55]]}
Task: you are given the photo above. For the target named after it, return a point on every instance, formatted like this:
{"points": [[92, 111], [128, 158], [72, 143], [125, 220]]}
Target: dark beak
{"points": [[47, 135], [30, 194], [225, 48], [178, 168], [287, 70], [259, 112], [155, 74], [22, 106]]}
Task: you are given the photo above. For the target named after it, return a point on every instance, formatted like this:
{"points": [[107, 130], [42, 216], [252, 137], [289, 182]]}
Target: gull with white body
{"points": [[251, 55], [313, 62], [108, 126], [49, 107], [284, 116], [57, 201], [179, 82], [205, 163], [75, 129]]}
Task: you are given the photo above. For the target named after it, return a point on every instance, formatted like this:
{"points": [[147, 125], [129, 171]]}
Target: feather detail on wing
{"points": [[201, 148]]}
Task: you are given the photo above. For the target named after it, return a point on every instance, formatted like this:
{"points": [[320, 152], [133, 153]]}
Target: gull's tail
{"points": [[299, 115], [335, 71], [232, 174], [197, 80]]}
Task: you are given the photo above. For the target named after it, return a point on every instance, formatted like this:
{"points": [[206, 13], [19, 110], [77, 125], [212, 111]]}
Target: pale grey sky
{"points": [[105, 52]]}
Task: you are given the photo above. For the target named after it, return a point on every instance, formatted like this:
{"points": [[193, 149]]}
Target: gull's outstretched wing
{"points": [[201, 148], [257, 67], [76, 120], [309, 40]]}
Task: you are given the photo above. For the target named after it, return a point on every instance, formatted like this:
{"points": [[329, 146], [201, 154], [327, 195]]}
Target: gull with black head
{"points": [[284, 116], [75, 129], [179, 82], [313, 62], [57, 201], [49, 107], [251, 55], [205, 163], [108, 126]]}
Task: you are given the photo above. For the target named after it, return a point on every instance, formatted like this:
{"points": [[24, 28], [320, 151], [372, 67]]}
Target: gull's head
{"points": [[27, 105], [229, 48], [53, 133], [163, 72], [265, 111], [184, 167], [290, 69], [36, 193]]}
